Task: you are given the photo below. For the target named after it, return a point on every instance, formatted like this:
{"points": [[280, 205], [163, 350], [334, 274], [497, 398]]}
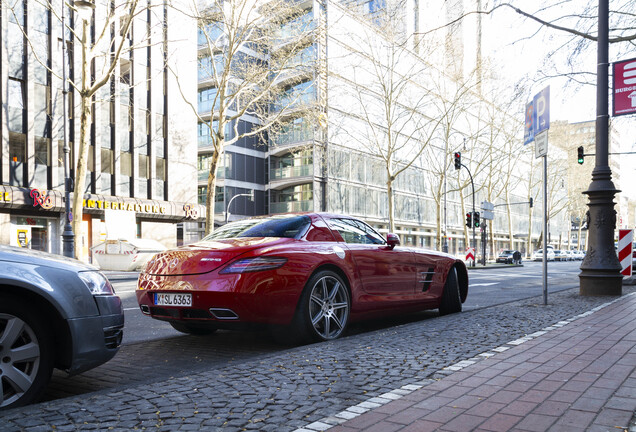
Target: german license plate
{"points": [[169, 299]]}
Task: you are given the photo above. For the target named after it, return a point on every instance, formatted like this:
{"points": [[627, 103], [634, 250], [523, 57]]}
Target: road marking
{"points": [[484, 284], [134, 308]]}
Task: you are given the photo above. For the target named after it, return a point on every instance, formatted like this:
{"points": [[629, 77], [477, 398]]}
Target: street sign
{"points": [[541, 144], [537, 115], [470, 254], [625, 239], [488, 215], [485, 205], [541, 111], [528, 131], [624, 87]]}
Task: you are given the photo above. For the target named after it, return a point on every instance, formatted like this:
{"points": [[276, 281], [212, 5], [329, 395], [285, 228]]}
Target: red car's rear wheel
{"points": [[324, 307]]}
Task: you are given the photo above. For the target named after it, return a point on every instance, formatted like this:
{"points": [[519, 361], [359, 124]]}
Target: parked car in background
{"points": [[55, 312], [509, 256], [560, 255], [578, 255], [568, 255], [538, 255], [306, 276]]}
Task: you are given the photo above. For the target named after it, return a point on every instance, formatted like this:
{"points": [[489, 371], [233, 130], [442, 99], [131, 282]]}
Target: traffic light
{"points": [[581, 156], [469, 220], [476, 220], [458, 160], [531, 202]]}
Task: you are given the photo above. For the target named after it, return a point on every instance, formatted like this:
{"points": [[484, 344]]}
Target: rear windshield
{"points": [[286, 227]]}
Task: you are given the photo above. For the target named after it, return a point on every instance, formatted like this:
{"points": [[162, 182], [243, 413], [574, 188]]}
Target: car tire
{"points": [[323, 309], [26, 352], [451, 300], [192, 330]]}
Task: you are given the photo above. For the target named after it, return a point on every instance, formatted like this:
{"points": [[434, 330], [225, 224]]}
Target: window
{"points": [[42, 153], [126, 164], [16, 105], [144, 166], [285, 227], [355, 231], [107, 161], [207, 100]]}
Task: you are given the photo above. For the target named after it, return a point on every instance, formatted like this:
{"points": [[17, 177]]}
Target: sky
{"points": [[522, 49]]}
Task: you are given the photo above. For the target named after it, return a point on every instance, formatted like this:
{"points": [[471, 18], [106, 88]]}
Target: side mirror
{"points": [[392, 240]]}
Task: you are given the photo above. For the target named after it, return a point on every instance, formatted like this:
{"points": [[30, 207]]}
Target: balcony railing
{"points": [[291, 206], [291, 172], [203, 174]]}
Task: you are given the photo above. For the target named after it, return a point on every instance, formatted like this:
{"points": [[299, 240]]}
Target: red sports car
{"points": [[310, 274]]}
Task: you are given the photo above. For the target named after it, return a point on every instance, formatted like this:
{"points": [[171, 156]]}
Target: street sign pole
{"points": [[545, 229]]}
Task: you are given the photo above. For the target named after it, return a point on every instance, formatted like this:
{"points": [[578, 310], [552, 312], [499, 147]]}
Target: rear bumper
{"points": [[227, 301]]}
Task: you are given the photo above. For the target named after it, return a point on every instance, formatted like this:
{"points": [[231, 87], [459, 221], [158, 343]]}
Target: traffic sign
{"points": [[541, 144], [537, 116], [625, 239], [528, 132], [470, 254], [624, 87], [541, 111]]}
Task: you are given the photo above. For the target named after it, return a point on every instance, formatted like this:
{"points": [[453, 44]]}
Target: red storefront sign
{"points": [[624, 87]]}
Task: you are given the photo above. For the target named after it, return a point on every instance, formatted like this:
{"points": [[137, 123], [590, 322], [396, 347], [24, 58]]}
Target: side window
{"points": [[354, 231]]}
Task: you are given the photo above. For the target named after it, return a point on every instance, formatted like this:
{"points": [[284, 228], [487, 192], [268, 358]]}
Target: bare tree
{"points": [[399, 103], [101, 40], [256, 62]]}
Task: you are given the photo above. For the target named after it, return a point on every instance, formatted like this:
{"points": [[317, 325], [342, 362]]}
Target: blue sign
{"points": [[541, 112], [528, 131], [537, 115]]}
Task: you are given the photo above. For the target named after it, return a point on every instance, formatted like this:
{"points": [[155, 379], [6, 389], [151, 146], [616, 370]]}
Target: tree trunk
{"points": [[389, 190], [511, 241], [82, 157], [211, 192]]}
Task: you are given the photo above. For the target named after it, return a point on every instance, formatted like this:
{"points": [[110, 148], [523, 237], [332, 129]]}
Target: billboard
{"points": [[624, 87]]}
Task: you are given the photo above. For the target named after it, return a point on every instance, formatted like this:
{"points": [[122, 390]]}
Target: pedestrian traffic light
{"points": [[458, 160], [581, 155], [476, 219], [469, 220]]}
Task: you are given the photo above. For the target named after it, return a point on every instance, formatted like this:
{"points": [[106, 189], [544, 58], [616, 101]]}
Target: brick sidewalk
{"points": [[580, 376]]}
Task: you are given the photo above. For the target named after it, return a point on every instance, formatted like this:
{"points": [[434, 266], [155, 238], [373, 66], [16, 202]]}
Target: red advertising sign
{"points": [[624, 87]]}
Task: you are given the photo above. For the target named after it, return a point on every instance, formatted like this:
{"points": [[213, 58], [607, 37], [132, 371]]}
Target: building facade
{"points": [[141, 180]]}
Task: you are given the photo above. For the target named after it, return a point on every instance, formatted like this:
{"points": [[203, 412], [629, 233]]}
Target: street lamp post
{"points": [[600, 270], [227, 209], [68, 238]]}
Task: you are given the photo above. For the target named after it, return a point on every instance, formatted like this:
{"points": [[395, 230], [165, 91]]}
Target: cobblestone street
{"points": [[266, 388]]}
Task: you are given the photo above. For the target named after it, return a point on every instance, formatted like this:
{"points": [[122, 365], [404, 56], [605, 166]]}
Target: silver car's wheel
{"points": [[25, 356], [329, 306]]}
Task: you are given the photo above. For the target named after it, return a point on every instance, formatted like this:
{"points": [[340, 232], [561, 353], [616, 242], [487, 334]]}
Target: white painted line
{"points": [[483, 284]]}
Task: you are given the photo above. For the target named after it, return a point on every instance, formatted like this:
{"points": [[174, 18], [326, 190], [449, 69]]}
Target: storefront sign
{"points": [[191, 211], [23, 237], [41, 198], [5, 197], [111, 205]]}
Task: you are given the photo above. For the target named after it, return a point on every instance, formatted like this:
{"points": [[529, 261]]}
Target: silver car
{"points": [[55, 312]]}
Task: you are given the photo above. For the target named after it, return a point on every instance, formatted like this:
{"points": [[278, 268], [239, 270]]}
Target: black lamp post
{"points": [[68, 238], [600, 270], [84, 10]]}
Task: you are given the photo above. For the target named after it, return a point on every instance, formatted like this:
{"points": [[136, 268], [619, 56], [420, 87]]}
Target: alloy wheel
{"points": [[19, 358], [329, 307]]}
